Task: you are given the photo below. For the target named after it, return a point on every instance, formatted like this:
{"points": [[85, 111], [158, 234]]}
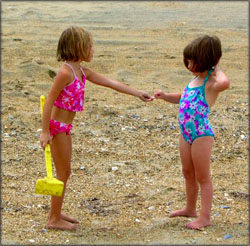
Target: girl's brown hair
{"points": [[74, 44], [205, 52]]}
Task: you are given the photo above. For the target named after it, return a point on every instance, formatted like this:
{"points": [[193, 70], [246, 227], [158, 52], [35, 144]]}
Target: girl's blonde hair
{"points": [[74, 44]]}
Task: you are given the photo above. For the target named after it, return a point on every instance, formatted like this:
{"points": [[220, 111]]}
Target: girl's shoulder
{"points": [[211, 83], [216, 85], [65, 74], [87, 71], [65, 70]]}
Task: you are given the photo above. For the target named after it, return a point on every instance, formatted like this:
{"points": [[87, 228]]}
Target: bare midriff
{"points": [[62, 115]]}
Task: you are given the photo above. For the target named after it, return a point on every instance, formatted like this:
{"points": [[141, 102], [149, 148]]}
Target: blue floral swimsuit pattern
{"points": [[193, 113]]}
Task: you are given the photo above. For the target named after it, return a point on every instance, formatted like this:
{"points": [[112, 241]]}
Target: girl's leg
{"points": [[61, 150], [63, 216], [190, 182], [201, 153]]}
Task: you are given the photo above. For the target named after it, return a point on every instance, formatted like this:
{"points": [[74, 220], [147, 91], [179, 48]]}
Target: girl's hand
{"points": [[158, 94], [144, 96], [168, 97], [44, 139]]}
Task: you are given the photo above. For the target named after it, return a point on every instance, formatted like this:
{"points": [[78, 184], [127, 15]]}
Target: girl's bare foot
{"points": [[198, 224], [183, 212], [69, 219], [61, 225]]}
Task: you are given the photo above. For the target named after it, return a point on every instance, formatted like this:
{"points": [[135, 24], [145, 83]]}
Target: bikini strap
{"points": [[209, 73], [82, 71], [71, 68]]}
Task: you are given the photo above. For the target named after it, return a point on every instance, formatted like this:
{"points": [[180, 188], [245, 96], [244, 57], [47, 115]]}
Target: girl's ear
{"points": [[214, 70]]}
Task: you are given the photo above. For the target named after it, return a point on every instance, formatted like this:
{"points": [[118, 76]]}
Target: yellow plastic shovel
{"points": [[48, 185]]}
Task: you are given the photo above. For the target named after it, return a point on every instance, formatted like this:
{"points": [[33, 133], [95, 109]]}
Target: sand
{"points": [[126, 171]]}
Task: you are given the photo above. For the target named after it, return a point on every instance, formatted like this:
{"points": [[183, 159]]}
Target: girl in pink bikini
{"points": [[65, 98]]}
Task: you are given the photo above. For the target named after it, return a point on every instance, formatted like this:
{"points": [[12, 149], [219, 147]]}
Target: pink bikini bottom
{"points": [[56, 127]]}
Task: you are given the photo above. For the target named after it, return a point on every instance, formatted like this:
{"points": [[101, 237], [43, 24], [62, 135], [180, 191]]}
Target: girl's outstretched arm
{"points": [[168, 97], [99, 79]]}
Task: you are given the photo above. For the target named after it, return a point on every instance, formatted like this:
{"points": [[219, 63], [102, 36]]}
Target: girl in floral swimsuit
{"points": [[201, 57], [193, 112], [66, 97]]}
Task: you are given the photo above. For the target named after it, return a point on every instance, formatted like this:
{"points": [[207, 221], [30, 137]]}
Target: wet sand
{"points": [[126, 171]]}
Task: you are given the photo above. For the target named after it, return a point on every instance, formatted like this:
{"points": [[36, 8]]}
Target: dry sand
{"points": [[141, 44]]}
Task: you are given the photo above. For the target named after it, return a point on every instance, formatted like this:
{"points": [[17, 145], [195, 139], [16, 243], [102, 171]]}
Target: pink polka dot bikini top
{"points": [[71, 97]]}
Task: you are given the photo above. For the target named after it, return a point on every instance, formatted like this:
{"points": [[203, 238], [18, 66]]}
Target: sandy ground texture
{"points": [[126, 171]]}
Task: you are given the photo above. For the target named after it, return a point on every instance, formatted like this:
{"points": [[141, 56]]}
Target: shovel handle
{"points": [[48, 161], [47, 148], [42, 101]]}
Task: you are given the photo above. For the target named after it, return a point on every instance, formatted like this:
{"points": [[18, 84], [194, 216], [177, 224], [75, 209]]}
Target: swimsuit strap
{"points": [[206, 79], [82, 72], [71, 68]]}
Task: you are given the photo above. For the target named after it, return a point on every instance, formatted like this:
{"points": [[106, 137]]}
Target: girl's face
{"points": [[191, 67], [91, 53]]}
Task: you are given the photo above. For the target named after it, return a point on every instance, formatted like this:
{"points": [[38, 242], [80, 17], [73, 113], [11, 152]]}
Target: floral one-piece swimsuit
{"points": [[193, 113]]}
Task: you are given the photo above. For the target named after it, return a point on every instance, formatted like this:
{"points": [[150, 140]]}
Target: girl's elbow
{"points": [[227, 84], [224, 85]]}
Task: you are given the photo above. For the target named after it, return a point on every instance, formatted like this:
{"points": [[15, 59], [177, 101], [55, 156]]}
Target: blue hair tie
{"points": [[211, 70]]}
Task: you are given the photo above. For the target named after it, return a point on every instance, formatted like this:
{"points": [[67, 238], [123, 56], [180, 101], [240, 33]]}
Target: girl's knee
{"points": [[188, 174], [64, 176], [204, 179]]}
